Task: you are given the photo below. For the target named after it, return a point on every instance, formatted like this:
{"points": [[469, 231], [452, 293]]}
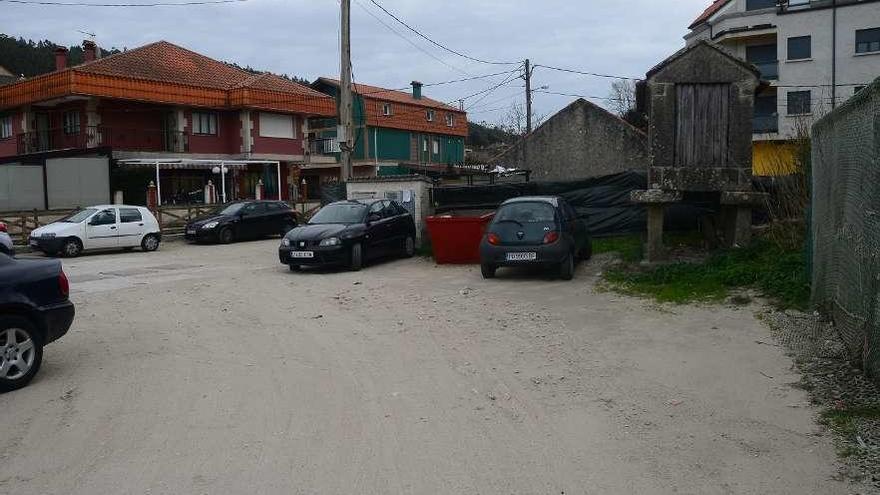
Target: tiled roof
{"points": [[392, 95], [271, 82], [709, 12]]}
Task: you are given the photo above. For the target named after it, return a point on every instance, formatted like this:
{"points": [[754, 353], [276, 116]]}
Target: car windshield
{"points": [[232, 209], [342, 213], [526, 212], [79, 216]]}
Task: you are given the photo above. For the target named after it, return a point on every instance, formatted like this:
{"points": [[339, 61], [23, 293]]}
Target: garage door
{"points": [[21, 187], [72, 182]]}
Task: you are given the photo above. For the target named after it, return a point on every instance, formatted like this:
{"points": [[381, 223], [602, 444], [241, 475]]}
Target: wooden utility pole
{"points": [[528, 97], [346, 143]]}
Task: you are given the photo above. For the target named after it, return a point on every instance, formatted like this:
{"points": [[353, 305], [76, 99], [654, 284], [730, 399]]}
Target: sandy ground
{"points": [[212, 369]]}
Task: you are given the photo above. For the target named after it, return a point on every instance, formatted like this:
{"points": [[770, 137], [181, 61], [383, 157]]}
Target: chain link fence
{"points": [[846, 223]]}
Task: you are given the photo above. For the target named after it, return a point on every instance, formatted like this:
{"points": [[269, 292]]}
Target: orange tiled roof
{"points": [[167, 73], [392, 95], [709, 12]]}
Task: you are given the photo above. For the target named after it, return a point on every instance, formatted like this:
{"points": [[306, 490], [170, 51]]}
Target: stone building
{"points": [[581, 141]]}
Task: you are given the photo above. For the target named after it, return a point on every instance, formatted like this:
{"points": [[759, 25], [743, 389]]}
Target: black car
{"points": [[243, 220], [540, 230], [34, 311], [347, 233]]}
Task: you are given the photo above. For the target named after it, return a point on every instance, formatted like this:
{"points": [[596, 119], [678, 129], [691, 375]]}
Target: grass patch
{"points": [[629, 247], [778, 274], [843, 421]]}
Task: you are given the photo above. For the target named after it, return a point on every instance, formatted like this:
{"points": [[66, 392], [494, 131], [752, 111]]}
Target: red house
{"points": [[163, 101]]}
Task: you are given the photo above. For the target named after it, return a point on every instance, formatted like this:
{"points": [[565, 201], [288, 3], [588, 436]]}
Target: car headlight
{"points": [[210, 225], [331, 241], [285, 242]]}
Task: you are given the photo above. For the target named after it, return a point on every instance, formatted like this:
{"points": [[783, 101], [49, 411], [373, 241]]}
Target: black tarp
{"points": [[332, 192], [604, 201]]}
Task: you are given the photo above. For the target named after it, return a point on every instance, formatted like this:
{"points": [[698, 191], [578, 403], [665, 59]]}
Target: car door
{"points": [[102, 230], [398, 227], [131, 227], [253, 218], [277, 216], [377, 230]]}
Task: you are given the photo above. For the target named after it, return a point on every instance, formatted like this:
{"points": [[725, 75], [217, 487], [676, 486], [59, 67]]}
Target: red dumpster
{"points": [[455, 236]]}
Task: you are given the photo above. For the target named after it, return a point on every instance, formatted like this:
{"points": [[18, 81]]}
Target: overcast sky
{"points": [[300, 37]]}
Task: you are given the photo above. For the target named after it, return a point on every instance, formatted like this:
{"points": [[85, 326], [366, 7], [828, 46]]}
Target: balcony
{"points": [[117, 138], [765, 124], [325, 146]]}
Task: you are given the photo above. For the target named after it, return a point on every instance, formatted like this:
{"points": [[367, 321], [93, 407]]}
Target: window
{"points": [[204, 123], [858, 88], [800, 48], [129, 215], [425, 145], [276, 125], [868, 40], [760, 4], [252, 209], [436, 147], [276, 207], [387, 110], [450, 120], [5, 127], [430, 115], [71, 122], [799, 102], [106, 217]]}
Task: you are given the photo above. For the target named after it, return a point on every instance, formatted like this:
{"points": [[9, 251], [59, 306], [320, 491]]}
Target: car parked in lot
{"points": [[34, 311], [6, 246], [539, 230], [348, 233], [97, 228], [243, 220]]}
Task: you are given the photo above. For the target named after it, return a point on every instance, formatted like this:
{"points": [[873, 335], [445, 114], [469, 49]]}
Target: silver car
{"points": [[6, 246]]}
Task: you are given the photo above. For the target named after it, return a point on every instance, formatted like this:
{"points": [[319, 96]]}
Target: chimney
{"points": [[417, 90], [60, 58], [89, 50]]}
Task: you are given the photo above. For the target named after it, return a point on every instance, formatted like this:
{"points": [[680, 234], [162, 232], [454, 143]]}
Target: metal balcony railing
{"points": [[119, 138], [326, 146]]}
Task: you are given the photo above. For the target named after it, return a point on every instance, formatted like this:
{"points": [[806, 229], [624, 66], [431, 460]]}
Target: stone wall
{"points": [[580, 142]]}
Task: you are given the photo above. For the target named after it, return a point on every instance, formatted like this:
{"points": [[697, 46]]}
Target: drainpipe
{"points": [[833, 54]]}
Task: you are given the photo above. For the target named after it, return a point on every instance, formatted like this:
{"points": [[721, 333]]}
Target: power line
{"points": [[576, 95], [151, 4], [491, 90], [594, 74], [426, 38]]}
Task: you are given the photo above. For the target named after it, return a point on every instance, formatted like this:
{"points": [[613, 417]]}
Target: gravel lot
{"points": [[212, 369]]}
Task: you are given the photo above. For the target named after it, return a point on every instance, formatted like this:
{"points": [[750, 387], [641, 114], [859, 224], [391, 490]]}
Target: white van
{"points": [[99, 227]]}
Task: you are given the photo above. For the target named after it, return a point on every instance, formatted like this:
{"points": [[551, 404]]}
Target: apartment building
{"points": [[813, 54]]}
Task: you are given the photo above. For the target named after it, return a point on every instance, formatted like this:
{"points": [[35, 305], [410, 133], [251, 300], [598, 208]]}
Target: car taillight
{"points": [[493, 239], [551, 237], [63, 284], [2, 227]]}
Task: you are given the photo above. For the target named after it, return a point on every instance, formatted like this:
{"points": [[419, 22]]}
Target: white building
{"points": [[815, 54]]}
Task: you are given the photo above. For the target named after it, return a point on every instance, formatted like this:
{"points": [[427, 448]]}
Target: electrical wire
{"points": [[585, 73], [150, 4], [426, 38]]}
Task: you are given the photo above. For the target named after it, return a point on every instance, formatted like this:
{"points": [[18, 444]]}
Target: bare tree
{"points": [[623, 102], [515, 120]]}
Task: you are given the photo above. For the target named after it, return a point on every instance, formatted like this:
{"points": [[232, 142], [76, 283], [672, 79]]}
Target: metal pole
{"points": [[278, 166], [158, 186], [223, 179], [345, 92], [528, 97]]}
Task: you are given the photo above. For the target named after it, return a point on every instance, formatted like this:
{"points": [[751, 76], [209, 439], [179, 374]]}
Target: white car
{"points": [[99, 227]]}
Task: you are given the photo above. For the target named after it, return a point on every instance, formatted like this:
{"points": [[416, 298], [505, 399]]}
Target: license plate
{"points": [[522, 256], [302, 254], [191, 232]]}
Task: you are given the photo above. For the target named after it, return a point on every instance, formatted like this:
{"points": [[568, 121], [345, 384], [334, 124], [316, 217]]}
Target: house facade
{"points": [[813, 54], [162, 101], [395, 131]]}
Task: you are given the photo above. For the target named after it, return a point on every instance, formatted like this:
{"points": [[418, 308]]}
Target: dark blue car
{"points": [[34, 311]]}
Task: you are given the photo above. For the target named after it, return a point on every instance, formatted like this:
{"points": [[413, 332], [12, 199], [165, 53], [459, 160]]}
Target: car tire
{"points": [[150, 243], [27, 351], [226, 236], [409, 247], [356, 258], [487, 270], [71, 248], [295, 268], [566, 268]]}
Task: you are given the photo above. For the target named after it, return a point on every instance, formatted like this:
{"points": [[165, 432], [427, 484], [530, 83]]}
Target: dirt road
{"points": [[211, 369]]}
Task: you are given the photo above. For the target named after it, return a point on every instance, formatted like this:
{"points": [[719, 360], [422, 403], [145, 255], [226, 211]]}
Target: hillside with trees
{"points": [[32, 58]]}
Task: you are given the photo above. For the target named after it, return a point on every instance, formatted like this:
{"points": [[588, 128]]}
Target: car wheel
{"points": [[356, 260], [295, 268], [21, 352], [150, 243], [409, 247], [71, 248], [566, 268], [487, 270], [226, 236]]}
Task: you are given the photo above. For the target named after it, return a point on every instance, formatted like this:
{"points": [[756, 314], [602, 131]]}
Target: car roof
{"points": [[103, 207], [551, 200], [364, 202]]}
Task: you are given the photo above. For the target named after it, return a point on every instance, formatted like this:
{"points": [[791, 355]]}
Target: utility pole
{"points": [[528, 97], [345, 94]]}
